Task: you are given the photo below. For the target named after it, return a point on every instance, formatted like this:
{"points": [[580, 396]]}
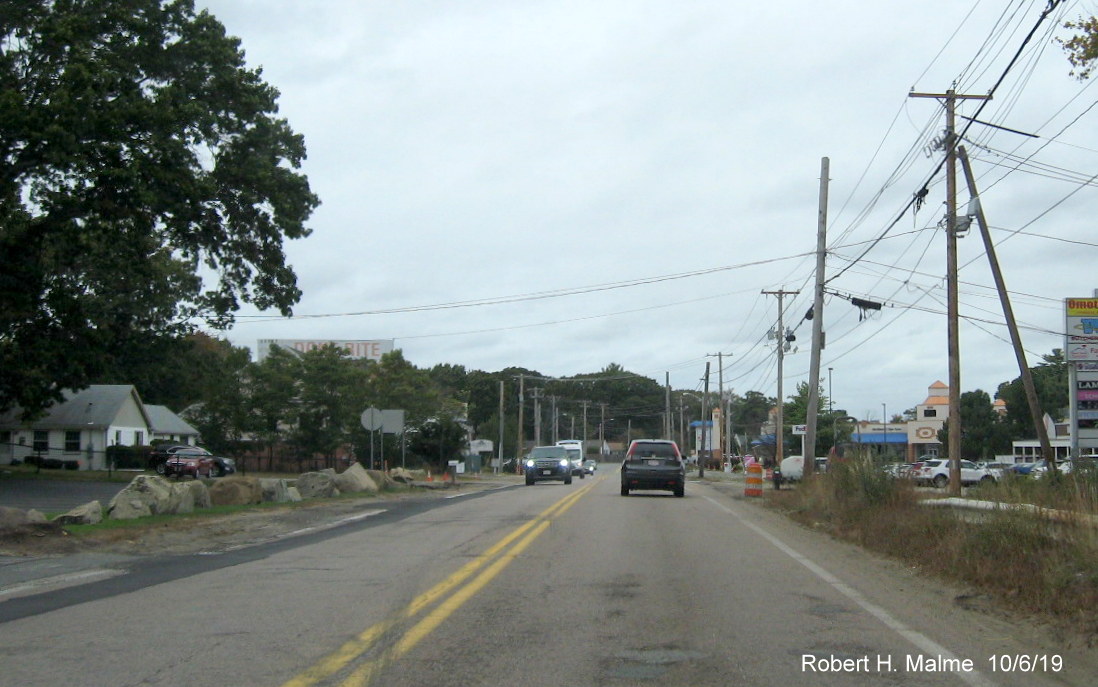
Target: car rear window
{"points": [[653, 450]]}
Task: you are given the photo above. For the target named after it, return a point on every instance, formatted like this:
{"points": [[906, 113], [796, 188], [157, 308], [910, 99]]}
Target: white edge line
{"points": [[921, 641], [60, 581]]}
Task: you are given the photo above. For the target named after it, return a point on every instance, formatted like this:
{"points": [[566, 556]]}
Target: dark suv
{"points": [[548, 462], [653, 464]]}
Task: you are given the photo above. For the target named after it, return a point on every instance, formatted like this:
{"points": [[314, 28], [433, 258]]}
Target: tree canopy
{"points": [[137, 150]]}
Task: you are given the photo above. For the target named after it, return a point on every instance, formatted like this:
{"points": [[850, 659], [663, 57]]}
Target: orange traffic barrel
{"points": [[754, 486]]}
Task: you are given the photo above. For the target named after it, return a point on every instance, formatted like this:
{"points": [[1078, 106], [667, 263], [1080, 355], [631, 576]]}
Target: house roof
{"points": [[96, 406], [163, 421], [936, 401]]}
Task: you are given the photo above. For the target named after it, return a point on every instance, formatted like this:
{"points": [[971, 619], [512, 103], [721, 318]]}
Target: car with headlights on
{"points": [[548, 463]]}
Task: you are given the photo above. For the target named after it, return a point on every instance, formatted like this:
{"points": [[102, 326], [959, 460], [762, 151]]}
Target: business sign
{"points": [[1081, 349], [1082, 329], [800, 429], [355, 349]]}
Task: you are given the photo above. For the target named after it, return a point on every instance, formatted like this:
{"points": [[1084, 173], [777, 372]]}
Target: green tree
{"points": [[272, 389], [328, 402], [436, 441], [750, 412], [136, 148], [795, 412], [1050, 379], [1082, 47], [983, 434], [222, 415]]}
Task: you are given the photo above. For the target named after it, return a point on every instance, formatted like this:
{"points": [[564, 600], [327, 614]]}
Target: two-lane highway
{"points": [[545, 585]]}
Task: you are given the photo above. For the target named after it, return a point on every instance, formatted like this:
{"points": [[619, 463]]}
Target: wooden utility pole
{"points": [[779, 430], [1008, 312], [536, 393], [817, 325], [952, 309], [499, 457], [667, 405], [521, 439], [702, 451]]}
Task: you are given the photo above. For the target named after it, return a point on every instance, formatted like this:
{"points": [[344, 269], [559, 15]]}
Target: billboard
{"points": [[1082, 329], [1081, 352], [358, 349]]}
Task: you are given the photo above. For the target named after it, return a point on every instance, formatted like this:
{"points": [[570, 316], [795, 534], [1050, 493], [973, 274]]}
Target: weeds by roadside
{"points": [[1031, 562]]}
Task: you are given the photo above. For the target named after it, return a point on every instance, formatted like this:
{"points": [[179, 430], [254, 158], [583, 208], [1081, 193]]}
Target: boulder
{"points": [[381, 479], [88, 514], [36, 516], [275, 490], [294, 494], [12, 517], [145, 495], [314, 485], [200, 493], [182, 498], [355, 479], [236, 491], [402, 476]]}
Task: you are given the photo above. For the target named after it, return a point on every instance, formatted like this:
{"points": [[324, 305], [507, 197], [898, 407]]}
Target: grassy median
{"points": [[1042, 562]]}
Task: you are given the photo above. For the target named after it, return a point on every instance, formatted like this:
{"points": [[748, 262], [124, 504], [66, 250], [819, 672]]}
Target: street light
{"points": [[884, 421], [846, 419], [830, 403]]}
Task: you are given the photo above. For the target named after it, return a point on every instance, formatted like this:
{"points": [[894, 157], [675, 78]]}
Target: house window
{"points": [[930, 412], [118, 436], [72, 441], [41, 440], [138, 438]]}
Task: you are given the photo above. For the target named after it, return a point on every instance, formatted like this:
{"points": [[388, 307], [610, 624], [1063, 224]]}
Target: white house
{"points": [[81, 427]]}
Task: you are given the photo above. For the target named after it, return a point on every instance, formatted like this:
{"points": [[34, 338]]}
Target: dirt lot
{"points": [[181, 535]]}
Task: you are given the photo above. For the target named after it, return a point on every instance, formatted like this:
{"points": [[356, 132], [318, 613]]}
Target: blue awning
{"points": [[879, 438]]}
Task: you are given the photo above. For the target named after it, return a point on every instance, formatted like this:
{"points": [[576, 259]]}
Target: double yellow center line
{"points": [[496, 558]]}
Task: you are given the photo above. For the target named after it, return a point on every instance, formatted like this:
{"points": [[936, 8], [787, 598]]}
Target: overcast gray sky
{"points": [[636, 173]]}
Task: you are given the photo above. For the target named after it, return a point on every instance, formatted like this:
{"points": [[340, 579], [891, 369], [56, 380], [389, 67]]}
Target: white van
{"points": [[575, 454]]}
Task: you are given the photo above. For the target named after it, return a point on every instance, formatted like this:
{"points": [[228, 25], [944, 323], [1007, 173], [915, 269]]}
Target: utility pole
{"points": [[499, 458], [952, 309], [536, 393], [779, 431], [583, 443], [721, 403], [602, 427], [1008, 313], [521, 439], [817, 325], [667, 405], [705, 407]]}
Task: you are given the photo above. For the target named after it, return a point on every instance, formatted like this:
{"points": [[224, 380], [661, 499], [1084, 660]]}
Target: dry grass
{"points": [[1029, 561]]}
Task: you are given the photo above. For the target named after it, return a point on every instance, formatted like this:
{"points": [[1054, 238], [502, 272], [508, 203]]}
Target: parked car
{"points": [[164, 452], [196, 466], [936, 472], [653, 464], [1023, 468], [998, 470], [548, 463]]}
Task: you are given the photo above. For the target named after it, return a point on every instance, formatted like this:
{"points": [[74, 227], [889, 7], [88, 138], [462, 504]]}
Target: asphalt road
{"points": [[55, 495], [542, 585]]}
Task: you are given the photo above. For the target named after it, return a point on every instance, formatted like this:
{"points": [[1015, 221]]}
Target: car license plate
{"points": [[652, 462], [546, 472]]}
